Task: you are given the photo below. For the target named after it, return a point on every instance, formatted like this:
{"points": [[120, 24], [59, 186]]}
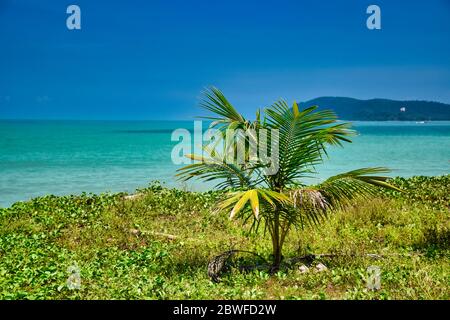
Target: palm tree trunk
{"points": [[276, 243]]}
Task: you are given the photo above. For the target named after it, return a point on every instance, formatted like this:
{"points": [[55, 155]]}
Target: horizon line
{"points": [[185, 120]]}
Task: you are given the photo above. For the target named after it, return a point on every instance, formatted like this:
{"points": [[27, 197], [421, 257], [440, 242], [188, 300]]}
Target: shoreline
{"points": [[69, 158], [138, 192]]}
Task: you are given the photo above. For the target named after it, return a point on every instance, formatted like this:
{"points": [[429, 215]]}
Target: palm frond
{"points": [[308, 206], [215, 101], [303, 137], [252, 199], [213, 167], [342, 188]]}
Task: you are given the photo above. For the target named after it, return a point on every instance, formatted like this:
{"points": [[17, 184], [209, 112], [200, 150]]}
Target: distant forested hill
{"points": [[382, 109]]}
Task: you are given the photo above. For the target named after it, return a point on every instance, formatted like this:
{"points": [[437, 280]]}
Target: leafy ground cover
{"points": [[157, 246]]}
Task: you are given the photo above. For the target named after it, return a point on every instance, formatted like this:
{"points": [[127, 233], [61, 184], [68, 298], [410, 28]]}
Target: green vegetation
{"points": [[271, 193], [157, 246], [383, 109]]}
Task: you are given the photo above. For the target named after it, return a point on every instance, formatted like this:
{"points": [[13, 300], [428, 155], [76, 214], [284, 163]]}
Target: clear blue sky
{"points": [[151, 59]]}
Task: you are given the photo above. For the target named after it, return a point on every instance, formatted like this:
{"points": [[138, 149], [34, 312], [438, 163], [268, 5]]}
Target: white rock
{"points": [[132, 196], [321, 267], [303, 269]]}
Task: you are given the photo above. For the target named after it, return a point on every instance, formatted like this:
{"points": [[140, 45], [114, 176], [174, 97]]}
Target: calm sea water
{"points": [[66, 157]]}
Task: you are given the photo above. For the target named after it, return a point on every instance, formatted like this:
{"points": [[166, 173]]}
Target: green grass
{"points": [[123, 252]]}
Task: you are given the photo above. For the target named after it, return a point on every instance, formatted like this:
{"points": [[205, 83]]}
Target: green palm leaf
{"points": [[364, 182]]}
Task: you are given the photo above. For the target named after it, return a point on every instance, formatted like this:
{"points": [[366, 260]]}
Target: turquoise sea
{"points": [[69, 157]]}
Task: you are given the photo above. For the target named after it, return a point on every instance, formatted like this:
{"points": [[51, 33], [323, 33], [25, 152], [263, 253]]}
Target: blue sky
{"points": [[151, 59]]}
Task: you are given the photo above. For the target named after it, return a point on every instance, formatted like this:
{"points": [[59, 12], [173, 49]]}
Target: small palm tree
{"points": [[281, 199]]}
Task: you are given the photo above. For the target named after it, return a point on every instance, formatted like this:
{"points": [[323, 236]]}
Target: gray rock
{"points": [[303, 269], [321, 267]]}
